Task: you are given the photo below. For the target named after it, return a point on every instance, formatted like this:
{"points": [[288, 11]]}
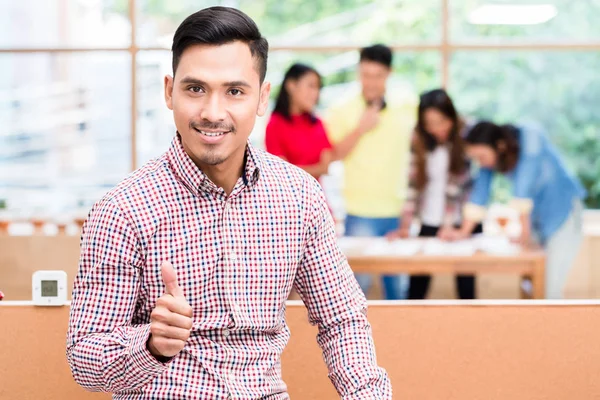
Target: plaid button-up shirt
{"points": [[237, 258]]}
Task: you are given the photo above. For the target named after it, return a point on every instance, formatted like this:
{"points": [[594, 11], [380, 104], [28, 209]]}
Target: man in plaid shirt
{"points": [[186, 265]]}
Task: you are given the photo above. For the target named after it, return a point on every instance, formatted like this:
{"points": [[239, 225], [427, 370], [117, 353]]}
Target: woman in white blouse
{"points": [[439, 183]]}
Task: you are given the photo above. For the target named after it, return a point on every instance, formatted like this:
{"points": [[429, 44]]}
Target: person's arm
{"points": [[346, 139], [321, 168], [105, 351], [337, 305], [457, 194], [525, 178], [345, 147], [411, 196], [474, 210]]}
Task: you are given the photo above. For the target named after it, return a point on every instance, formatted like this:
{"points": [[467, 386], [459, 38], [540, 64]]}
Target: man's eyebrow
{"points": [[237, 83], [190, 80]]}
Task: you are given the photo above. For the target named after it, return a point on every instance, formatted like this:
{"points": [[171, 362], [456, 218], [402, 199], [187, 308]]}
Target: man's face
{"points": [[215, 97], [373, 77]]}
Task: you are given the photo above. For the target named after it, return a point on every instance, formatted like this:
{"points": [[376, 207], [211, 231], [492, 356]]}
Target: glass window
{"points": [[560, 90], [64, 23], [155, 126], [66, 129], [298, 23], [532, 20]]}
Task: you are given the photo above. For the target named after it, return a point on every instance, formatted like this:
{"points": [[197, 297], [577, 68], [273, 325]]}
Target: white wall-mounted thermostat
{"points": [[49, 288]]}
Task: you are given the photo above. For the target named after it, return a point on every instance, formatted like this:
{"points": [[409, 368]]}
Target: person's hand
{"points": [[524, 239], [325, 160], [450, 234], [447, 233], [171, 319], [370, 118], [401, 233]]}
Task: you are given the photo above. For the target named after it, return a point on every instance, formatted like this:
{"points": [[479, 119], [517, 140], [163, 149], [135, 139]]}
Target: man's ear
{"points": [[169, 91], [263, 102]]}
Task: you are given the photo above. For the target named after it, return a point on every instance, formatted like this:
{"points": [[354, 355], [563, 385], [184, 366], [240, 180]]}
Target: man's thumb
{"points": [[169, 277]]}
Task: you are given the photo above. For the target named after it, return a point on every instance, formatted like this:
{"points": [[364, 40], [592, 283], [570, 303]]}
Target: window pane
{"points": [[306, 23], [557, 20], [557, 89], [64, 23], [155, 126], [413, 72], [66, 129]]}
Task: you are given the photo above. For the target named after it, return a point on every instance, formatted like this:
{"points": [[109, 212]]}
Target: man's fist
{"points": [[171, 319]]}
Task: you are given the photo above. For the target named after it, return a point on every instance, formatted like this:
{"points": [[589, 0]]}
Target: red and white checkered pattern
{"points": [[237, 257]]}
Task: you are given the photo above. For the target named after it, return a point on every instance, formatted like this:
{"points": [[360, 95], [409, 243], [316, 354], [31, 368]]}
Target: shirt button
{"points": [[226, 333], [232, 377], [232, 256]]}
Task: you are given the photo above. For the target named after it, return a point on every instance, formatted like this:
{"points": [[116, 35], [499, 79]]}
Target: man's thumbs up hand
{"points": [[171, 319]]}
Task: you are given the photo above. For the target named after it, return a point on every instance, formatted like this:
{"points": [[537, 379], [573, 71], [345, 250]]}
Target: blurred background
{"points": [[81, 80]]}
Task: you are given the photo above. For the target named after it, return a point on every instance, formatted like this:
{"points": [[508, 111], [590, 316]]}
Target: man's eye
{"points": [[235, 92], [196, 89]]}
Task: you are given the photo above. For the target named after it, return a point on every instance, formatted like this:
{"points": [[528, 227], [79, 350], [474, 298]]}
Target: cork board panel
{"points": [[430, 352]]}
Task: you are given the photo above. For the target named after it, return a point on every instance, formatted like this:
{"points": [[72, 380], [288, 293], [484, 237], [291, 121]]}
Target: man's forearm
{"points": [[115, 361], [345, 147], [349, 352]]}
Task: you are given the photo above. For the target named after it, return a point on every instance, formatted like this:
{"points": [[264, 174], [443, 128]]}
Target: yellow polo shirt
{"points": [[376, 170]]}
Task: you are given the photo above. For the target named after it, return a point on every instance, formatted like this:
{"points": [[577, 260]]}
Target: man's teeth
{"points": [[212, 134]]}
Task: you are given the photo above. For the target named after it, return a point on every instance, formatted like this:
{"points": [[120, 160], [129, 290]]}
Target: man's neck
{"points": [[373, 99], [226, 174]]}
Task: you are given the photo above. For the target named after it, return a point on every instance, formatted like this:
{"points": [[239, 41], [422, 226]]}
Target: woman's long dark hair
{"points": [[425, 142], [503, 139], [295, 72]]}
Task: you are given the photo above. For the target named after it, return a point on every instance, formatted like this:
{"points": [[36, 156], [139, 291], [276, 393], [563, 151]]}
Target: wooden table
{"points": [[528, 264]]}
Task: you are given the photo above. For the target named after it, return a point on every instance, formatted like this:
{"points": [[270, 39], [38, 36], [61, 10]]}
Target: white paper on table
{"points": [[351, 245], [437, 247], [399, 248], [406, 247], [497, 245], [379, 246]]}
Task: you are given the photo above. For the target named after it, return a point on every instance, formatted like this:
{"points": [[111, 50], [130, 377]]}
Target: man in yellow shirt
{"points": [[371, 133]]}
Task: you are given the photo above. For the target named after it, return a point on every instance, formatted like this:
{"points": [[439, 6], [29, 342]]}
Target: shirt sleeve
{"points": [[274, 138], [105, 351], [474, 209], [337, 305], [411, 194], [527, 171]]}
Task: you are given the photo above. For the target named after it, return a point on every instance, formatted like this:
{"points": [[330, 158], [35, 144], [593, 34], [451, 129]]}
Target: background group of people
{"points": [[403, 162]]}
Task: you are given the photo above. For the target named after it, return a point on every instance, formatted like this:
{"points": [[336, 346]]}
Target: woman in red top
{"points": [[294, 133]]}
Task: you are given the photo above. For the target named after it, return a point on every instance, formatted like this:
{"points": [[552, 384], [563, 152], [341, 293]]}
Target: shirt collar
{"points": [[253, 164], [193, 177]]}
